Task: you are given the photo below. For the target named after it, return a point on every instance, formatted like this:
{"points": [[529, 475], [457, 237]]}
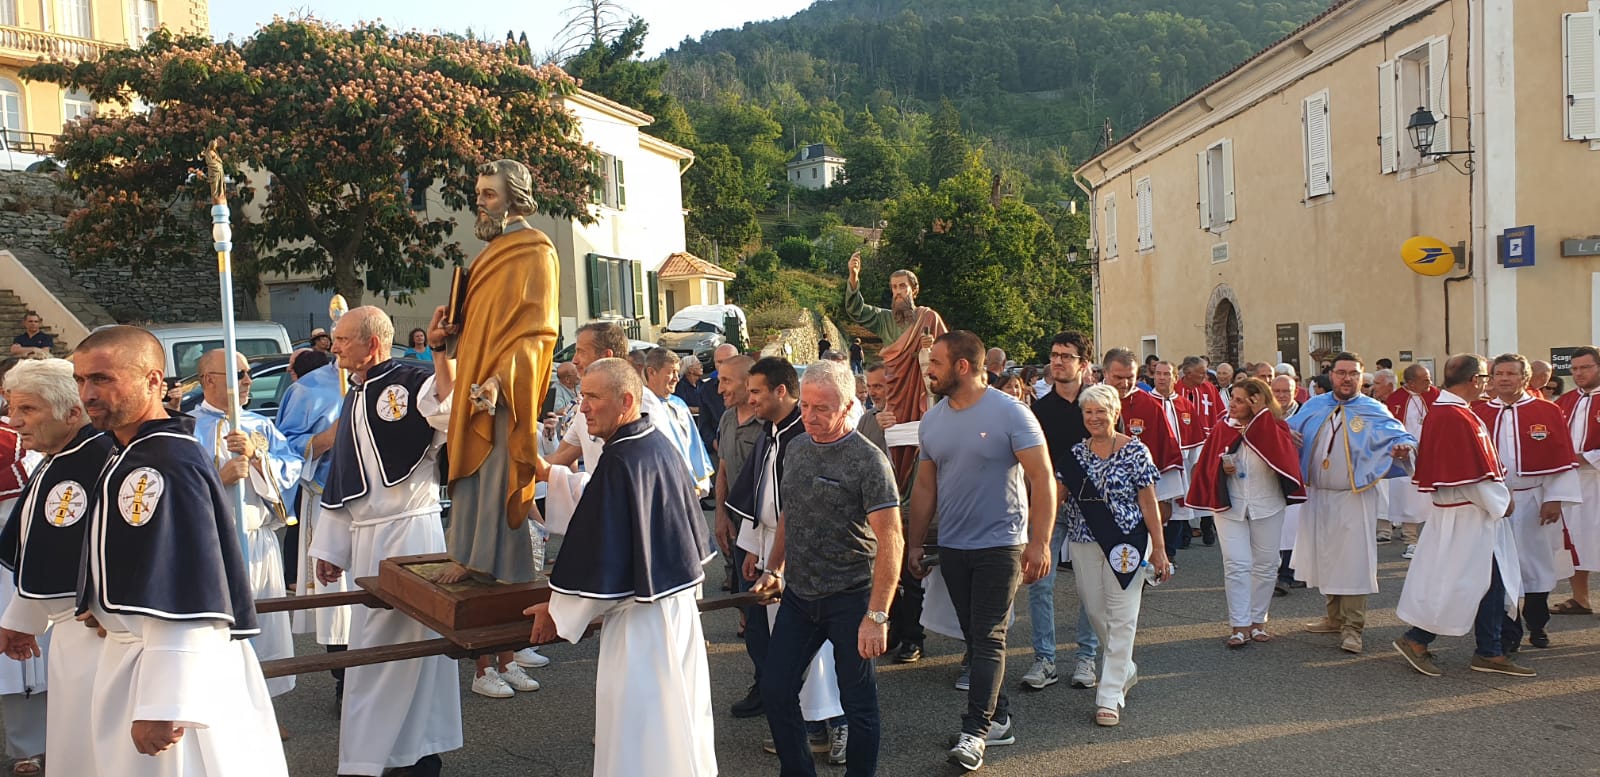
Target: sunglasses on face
{"points": [[243, 375]]}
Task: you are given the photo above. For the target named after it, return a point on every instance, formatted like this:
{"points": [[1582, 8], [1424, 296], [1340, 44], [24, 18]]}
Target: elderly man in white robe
{"points": [[382, 500], [258, 454], [1465, 576], [633, 559]]}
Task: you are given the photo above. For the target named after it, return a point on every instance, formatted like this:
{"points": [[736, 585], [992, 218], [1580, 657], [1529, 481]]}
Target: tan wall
{"points": [[1554, 180], [1335, 260]]}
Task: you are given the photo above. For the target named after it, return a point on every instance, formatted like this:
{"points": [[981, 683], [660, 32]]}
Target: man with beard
{"points": [[906, 330], [506, 341]]}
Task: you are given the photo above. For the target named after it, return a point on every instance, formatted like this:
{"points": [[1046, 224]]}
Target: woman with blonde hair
{"points": [[1248, 474]]}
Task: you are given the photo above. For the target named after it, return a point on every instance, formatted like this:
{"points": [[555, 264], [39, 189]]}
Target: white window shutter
{"points": [[1580, 39], [1230, 209], [1388, 139], [1203, 168], [1145, 207], [1319, 171], [1111, 227], [1439, 91]]}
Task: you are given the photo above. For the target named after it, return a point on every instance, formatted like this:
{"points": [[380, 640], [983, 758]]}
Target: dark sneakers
{"points": [[750, 706], [908, 653]]}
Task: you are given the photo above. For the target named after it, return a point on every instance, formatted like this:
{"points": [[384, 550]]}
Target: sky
{"points": [[670, 20]]}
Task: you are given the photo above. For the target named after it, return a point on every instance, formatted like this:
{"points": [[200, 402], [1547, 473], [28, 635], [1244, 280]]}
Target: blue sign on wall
{"points": [[1516, 247]]}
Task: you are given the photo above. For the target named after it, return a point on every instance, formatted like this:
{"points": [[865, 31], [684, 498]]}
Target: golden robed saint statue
{"points": [[506, 324]]}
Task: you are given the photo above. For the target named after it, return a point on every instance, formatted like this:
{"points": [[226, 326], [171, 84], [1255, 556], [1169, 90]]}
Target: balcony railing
{"points": [[33, 44]]}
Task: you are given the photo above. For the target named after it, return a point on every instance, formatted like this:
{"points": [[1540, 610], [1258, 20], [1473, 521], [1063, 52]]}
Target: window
{"points": [[1580, 41], [813, 173], [1147, 347], [615, 288], [1111, 227], [1327, 338], [613, 191], [143, 19], [75, 18], [11, 110], [1217, 207], [1319, 165], [1144, 208], [8, 12], [76, 104], [1418, 78]]}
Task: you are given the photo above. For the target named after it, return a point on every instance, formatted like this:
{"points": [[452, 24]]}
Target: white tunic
{"points": [[1406, 503], [193, 674], [652, 684], [1583, 520], [1334, 549], [1540, 548], [73, 652], [32, 675], [331, 624], [394, 713], [1466, 533]]}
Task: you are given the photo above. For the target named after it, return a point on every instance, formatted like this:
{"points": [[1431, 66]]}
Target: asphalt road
{"points": [[1297, 705]]}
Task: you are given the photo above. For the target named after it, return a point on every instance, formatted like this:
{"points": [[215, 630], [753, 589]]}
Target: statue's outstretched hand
{"points": [[485, 394]]}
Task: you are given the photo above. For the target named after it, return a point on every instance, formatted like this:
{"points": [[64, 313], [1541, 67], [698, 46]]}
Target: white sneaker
{"points": [[968, 752], [1411, 552], [1041, 675], [518, 679], [491, 685], [1083, 675], [530, 658]]}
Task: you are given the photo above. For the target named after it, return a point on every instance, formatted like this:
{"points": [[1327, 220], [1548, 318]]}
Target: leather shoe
{"points": [[750, 706], [908, 653]]}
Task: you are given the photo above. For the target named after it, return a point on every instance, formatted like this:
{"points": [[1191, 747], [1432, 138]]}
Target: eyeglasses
{"points": [[244, 375], [1481, 376], [1066, 357]]}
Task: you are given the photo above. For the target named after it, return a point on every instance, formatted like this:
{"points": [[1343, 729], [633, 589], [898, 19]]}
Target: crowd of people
{"points": [[858, 549]]}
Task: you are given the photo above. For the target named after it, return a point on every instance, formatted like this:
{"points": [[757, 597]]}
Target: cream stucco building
{"points": [[1263, 217], [608, 269], [33, 113]]}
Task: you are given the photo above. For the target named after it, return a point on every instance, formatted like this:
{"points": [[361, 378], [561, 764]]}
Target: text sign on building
{"points": [[1589, 246], [1219, 253], [1561, 359], [1516, 247]]}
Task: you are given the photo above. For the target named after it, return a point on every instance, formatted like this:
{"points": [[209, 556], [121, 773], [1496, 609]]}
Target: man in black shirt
{"points": [[1062, 422], [32, 342]]}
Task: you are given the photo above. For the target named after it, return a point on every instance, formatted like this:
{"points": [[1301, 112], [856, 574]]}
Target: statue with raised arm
{"points": [[506, 335], [906, 330]]}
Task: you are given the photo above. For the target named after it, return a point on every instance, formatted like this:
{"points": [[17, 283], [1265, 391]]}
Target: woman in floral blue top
{"points": [[1116, 489]]}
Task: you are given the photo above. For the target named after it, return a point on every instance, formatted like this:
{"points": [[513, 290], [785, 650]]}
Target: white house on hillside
{"points": [[608, 269], [816, 166]]}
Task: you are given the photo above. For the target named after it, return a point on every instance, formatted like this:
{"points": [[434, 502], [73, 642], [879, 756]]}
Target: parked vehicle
{"points": [[269, 378], [26, 151], [697, 330], [184, 343]]}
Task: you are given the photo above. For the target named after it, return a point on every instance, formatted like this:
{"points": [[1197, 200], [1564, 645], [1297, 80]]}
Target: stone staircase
{"points": [[12, 309]]}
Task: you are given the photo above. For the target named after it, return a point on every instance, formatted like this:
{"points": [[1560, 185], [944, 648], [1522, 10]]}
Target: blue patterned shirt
{"points": [[1119, 479]]}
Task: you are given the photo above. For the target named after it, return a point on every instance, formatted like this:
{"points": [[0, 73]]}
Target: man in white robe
{"points": [[382, 500], [23, 678], [1348, 444], [178, 691], [1465, 576], [1581, 406], [259, 454], [1530, 437], [1410, 404], [633, 560]]}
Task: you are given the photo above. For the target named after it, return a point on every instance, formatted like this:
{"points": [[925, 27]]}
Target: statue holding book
{"points": [[506, 324]]}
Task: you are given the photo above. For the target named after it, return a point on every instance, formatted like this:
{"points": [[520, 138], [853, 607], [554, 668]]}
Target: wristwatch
{"points": [[877, 617]]}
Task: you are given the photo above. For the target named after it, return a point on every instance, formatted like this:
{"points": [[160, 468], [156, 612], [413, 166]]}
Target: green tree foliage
{"points": [[795, 252], [948, 148], [721, 216], [334, 122], [873, 169], [611, 68]]}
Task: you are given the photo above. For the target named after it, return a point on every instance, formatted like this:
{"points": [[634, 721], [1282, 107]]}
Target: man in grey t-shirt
{"points": [[981, 451], [836, 559]]}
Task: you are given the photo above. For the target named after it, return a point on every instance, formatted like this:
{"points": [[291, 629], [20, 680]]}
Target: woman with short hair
{"points": [[1114, 528]]}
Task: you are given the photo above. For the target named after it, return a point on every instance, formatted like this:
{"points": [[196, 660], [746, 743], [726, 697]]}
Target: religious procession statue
{"points": [[906, 329], [506, 327]]}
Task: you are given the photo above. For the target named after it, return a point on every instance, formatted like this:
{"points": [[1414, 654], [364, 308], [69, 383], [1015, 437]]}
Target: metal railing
{"points": [[49, 45], [19, 141]]}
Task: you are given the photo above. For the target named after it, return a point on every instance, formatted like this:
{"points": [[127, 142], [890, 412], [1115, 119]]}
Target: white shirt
{"points": [[1254, 490]]}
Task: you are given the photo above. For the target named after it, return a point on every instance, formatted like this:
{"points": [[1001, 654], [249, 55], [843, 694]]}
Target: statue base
{"points": [[407, 583]]}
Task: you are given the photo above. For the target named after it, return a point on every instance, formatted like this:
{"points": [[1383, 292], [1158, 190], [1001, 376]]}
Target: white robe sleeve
{"points": [[331, 541], [29, 616], [176, 679], [1563, 487], [1593, 457], [573, 614], [1490, 496], [561, 500], [437, 411]]}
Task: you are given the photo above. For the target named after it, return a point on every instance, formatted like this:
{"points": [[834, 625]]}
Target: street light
{"points": [[1421, 128]]}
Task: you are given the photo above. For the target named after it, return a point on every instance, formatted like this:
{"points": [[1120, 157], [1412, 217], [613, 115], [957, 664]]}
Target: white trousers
{"points": [[1113, 611], [1249, 564]]}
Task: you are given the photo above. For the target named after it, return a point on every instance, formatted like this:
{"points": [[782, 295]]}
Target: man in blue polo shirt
{"points": [[32, 342]]}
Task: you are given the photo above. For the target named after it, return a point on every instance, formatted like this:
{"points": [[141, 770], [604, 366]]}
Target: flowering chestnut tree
{"points": [[326, 130]]}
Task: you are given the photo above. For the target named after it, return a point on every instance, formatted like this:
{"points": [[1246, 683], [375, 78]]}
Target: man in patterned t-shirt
{"points": [[840, 544]]}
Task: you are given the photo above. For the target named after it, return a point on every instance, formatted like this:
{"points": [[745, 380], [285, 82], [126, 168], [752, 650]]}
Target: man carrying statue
{"points": [[906, 330]]}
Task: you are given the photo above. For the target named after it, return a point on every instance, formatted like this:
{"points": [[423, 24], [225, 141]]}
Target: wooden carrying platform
{"points": [[472, 617]]}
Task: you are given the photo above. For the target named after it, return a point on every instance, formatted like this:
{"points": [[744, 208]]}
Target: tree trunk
{"points": [[346, 280]]}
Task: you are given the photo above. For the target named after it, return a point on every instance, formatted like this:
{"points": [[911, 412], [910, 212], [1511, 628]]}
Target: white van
{"points": [[184, 343]]}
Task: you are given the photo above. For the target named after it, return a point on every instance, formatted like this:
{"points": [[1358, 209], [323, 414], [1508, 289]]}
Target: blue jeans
{"points": [[1042, 610], [797, 634], [1489, 624]]}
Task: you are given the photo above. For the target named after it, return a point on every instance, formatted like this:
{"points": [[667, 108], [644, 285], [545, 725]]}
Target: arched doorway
{"points": [[1224, 330]]}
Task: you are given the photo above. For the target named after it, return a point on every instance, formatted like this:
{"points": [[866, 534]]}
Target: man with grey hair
{"points": [[994, 362], [836, 562], [1384, 383], [1540, 378], [41, 547], [661, 378], [633, 560]]}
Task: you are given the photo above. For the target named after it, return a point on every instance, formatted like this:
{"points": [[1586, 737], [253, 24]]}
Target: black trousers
{"points": [[983, 585]]}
